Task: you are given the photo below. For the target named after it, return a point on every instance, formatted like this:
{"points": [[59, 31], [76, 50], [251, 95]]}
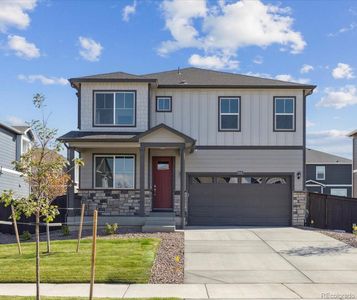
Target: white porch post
{"points": [[70, 189], [182, 184]]}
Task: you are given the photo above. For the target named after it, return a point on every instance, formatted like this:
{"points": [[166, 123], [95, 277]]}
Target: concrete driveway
{"points": [[267, 255]]}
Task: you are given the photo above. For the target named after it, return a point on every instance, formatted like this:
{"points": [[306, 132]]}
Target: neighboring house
{"points": [[14, 141], [208, 147], [353, 135], [328, 174]]}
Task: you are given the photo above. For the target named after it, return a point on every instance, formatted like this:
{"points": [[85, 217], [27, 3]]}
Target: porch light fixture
{"points": [[1, 172], [298, 175]]}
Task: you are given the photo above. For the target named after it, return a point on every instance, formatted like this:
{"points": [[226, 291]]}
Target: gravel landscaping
{"points": [[169, 262]]}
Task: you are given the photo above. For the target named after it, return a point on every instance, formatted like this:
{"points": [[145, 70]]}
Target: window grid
{"points": [[284, 113], [229, 113], [114, 108], [163, 109], [114, 174]]}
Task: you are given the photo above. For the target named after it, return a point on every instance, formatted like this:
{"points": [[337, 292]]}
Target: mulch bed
{"points": [[169, 262]]}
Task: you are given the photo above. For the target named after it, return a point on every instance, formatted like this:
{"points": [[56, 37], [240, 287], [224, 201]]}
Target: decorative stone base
{"points": [[299, 212], [115, 202]]}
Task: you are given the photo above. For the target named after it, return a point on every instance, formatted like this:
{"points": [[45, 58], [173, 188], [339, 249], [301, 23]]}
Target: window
{"points": [[164, 104], [202, 179], [339, 192], [229, 113], [320, 172], [114, 171], [115, 108], [284, 114]]}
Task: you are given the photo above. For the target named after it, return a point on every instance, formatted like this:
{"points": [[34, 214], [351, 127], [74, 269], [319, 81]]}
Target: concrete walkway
{"points": [[190, 291], [267, 256]]}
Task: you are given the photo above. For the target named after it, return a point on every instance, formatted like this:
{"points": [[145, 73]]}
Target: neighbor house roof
{"points": [[194, 77], [318, 157], [353, 133]]}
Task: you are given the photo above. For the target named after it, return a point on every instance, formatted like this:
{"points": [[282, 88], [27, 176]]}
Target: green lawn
{"points": [[76, 298], [118, 261]]}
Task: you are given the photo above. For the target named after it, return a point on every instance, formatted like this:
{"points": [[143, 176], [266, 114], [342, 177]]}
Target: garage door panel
{"points": [[240, 204]]}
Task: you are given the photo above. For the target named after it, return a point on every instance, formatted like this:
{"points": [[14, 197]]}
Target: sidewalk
{"points": [[190, 291]]}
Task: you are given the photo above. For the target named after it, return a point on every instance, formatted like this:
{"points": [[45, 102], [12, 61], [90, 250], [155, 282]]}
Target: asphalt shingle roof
{"points": [[319, 157], [195, 77]]}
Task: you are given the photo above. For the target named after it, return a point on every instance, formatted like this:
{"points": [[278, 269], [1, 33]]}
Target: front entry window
{"points": [[114, 171]]}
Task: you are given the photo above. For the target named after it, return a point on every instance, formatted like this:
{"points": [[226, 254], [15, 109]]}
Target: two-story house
{"points": [[14, 141], [208, 147], [353, 135], [328, 174]]}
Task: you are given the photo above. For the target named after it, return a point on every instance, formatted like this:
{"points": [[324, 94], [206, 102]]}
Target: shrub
{"points": [[65, 230], [111, 228], [25, 236]]}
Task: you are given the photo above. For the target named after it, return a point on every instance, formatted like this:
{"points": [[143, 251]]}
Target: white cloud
{"points": [[306, 69], [213, 62], [223, 29], [43, 79], [90, 49], [350, 27], [342, 71], [288, 77], [309, 124], [22, 47], [258, 60], [15, 121], [344, 96], [128, 10], [332, 141], [14, 13]]}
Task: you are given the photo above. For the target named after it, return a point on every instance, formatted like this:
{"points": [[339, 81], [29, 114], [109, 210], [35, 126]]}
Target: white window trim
{"points": [[324, 172], [284, 114], [163, 110], [229, 114], [114, 109], [113, 156]]}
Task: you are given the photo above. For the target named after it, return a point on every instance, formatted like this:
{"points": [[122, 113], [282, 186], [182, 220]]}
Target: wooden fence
{"points": [[331, 212]]}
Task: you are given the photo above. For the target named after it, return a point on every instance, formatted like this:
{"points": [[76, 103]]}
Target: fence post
{"points": [[48, 238], [94, 248], [80, 227], [16, 230], [325, 225]]}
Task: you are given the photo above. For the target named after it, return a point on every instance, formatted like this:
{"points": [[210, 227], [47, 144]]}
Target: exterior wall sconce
{"points": [[1, 172], [298, 175]]}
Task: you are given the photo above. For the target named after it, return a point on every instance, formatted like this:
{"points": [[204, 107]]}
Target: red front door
{"points": [[162, 178]]}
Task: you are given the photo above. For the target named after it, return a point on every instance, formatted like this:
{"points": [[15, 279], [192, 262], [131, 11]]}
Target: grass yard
{"points": [[76, 298], [118, 261]]}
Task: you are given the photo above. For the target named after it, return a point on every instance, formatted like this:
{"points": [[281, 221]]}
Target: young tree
{"points": [[43, 168]]}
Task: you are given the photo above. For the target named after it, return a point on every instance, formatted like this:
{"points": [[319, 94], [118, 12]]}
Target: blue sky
{"points": [[44, 42]]}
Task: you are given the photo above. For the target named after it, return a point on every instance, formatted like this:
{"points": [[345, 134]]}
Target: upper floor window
{"points": [[320, 172], [229, 114], [284, 113], [164, 104], [115, 108]]}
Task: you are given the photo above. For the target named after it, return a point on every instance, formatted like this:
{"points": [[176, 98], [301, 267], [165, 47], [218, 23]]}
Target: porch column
{"points": [[182, 183], [70, 189], [142, 180]]}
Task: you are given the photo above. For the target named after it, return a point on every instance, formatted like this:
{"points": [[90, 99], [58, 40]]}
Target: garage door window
{"points": [[276, 180], [228, 179], [202, 179], [252, 180]]}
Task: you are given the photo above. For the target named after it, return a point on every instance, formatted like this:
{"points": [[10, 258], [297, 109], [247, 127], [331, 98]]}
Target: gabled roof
{"points": [[318, 157], [193, 78], [100, 136], [197, 77]]}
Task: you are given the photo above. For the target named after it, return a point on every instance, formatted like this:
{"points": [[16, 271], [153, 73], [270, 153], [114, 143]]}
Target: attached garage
{"points": [[223, 200]]}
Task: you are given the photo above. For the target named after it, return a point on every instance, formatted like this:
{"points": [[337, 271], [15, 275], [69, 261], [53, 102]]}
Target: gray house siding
{"points": [[336, 176], [10, 179], [355, 167]]}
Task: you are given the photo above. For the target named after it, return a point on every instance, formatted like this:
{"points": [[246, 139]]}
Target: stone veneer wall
{"points": [[299, 208], [120, 202], [115, 202]]}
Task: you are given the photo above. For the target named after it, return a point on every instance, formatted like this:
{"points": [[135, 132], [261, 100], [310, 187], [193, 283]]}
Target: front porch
{"points": [[133, 180]]}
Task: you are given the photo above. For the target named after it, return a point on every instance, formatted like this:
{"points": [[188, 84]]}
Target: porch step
{"points": [[160, 222]]}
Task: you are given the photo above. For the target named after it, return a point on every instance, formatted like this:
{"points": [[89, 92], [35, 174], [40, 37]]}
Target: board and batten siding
{"points": [[354, 189], [248, 161], [87, 105], [14, 182], [7, 149], [195, 113]]}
